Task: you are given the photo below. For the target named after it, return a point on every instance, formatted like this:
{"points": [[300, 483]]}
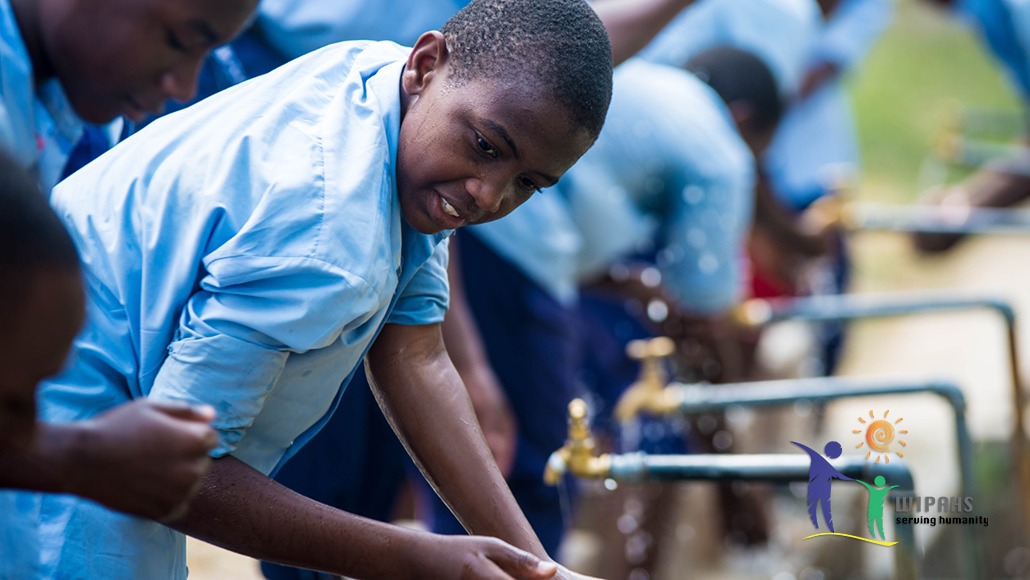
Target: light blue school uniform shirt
{"points": [[39, 128], [1005, 28], [815, 144], [296, 27], [777, 31], [242, 253], [668, 169]]}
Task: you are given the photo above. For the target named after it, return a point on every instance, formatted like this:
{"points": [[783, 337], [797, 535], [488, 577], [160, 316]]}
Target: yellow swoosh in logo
{"points": [[877, 542]]}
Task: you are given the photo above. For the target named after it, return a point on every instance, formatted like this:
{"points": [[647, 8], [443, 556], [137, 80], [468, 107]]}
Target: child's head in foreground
{"points": [[41, 299], [497, 105], [126, 57]]}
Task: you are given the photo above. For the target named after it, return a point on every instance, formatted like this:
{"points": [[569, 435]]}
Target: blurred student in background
{"points": [[1004, 27]]}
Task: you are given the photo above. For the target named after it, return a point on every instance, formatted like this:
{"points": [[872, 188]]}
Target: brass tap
{"points": [[836, 210], [648, 393], [578, 453]]}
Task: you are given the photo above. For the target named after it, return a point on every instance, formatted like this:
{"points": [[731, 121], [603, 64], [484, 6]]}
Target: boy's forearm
{"points": [[43, 466], [243, 510], [430, 410]]}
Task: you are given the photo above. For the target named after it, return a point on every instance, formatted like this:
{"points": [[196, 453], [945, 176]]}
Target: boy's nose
{"points": [[180, 81], [488, 194]]}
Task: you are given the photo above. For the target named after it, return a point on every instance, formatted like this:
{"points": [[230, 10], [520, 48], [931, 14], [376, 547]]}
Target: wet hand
{"points": [[143, 458], [476, 557]]}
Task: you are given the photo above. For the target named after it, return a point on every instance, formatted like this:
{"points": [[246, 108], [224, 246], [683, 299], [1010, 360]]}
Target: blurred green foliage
{"points": [[926, 67]]}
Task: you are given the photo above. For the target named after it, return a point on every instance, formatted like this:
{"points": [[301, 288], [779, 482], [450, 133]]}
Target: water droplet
{"points": [[693, 194], [802, 407], [650, 277], [708, 263], [657, 311], [627, 524], [611, 484], [722, 440]]}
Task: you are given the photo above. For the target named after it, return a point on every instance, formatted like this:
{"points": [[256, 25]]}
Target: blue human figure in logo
{"points": [[820, 476]]}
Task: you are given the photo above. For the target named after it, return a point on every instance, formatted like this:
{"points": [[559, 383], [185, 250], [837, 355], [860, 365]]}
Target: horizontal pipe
{"points": [[697, 398], [936, 219], [773, 468], [759, 312]]}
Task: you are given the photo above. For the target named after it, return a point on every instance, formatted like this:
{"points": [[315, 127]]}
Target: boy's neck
{"points": [[27, 15]]}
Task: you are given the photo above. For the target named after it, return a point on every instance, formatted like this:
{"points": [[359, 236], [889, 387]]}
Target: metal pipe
{"points": [[1012, 158], [758, 312], [934, 219], [773, 468], [696, 399]]}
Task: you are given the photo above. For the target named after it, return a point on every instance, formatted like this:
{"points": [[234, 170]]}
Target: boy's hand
{"points": [[143, 458], [476, 557]]}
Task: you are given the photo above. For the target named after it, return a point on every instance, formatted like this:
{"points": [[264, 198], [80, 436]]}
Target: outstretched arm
{"points": [[842, 477], [242, 510], [429, 408], [807, 449], [632, 24], [465, 347]]}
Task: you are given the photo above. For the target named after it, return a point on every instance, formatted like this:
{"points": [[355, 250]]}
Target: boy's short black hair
{"points": [[561, 46], [31, 235], [738, 75]]}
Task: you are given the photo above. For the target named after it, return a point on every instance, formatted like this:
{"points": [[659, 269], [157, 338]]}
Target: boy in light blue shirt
{"points": [[251, 250]]}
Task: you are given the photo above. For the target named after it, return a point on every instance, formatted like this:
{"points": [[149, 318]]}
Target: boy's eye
{"points": [[529, 185], [486, 147], [175, 42]]}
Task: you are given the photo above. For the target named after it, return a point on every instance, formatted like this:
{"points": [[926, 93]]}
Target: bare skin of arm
{"points": [[632, 24], [990, 187], [242, 510], [464, 344], [141, 458]]}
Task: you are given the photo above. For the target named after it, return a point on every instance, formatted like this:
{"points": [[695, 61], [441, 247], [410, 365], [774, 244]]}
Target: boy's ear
{"points": [[426, 61]]}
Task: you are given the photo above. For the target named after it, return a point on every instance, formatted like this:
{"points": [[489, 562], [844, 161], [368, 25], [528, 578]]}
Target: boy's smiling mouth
{"points": [[446, 215], [448, 208]]}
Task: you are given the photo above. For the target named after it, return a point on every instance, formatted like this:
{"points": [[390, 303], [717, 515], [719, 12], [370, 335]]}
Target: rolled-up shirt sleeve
{"points": [[424, 300], [237, 331]]}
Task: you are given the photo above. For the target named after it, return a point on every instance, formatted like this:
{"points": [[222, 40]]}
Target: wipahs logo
{"points": [[820, 478]]}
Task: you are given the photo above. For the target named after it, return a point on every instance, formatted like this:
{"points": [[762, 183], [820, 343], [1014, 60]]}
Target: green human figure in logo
{"points": [[877, 495]]}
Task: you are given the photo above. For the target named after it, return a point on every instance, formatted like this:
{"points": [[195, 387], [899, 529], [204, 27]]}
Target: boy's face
{"points": [[33, 346], [472, 153], [127, 57]]}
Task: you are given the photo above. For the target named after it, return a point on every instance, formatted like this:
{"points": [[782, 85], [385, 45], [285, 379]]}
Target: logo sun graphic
{"points": [[879, 435]]}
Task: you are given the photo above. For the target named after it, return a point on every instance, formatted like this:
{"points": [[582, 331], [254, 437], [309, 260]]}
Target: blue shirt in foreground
{"points": [[243, 253]]}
